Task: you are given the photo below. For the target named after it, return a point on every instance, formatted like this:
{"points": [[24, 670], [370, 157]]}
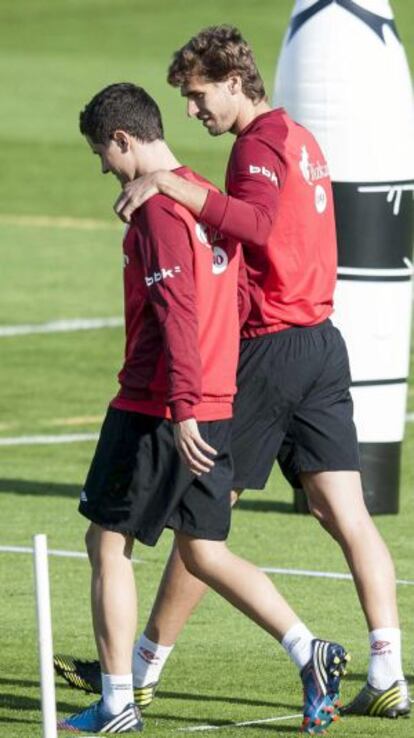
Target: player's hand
{"points": [[134, 194], [193, 449]]}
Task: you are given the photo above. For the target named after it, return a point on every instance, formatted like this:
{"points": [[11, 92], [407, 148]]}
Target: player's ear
{"points": [[121, 139], [235, 84]]}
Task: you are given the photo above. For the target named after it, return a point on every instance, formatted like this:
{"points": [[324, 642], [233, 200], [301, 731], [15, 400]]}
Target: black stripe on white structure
{"points": [[372, 278], [378, 382], [374, 21], [374, 224]]}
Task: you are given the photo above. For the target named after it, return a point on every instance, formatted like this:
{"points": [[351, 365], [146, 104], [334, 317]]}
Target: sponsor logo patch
{"points": [[163, 274], [149, 656], [311, 171], [321, 199], [254, 169], [379, 645]]}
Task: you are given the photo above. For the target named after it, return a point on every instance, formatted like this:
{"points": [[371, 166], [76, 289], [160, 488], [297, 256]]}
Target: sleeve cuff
{"points": [[214, 208], [181, 410]]}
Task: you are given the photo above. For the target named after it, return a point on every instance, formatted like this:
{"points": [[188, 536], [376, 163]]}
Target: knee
{"points": [[342, 523], [318, 512], [104, 546], [325, 517], [200, 558]]}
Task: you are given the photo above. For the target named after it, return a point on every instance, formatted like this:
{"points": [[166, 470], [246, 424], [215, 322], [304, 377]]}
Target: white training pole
{"points": [[44, 631]]}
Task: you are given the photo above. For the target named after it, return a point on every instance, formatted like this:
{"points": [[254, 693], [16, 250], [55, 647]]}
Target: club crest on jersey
{"points": [[220, 260], [207, 235], [321, 199], [162, 274], [201, 233], [311, 172], [254, 169]]}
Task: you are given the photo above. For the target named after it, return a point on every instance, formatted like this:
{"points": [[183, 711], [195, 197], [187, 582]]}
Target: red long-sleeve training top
{"points": [[181, 314], [280, 205]]}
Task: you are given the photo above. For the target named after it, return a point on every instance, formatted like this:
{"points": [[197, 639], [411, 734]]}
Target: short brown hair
{"points": [[215, 54], [122, 105]]}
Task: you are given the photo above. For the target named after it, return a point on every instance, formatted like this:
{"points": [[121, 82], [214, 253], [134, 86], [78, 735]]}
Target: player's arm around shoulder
{"points": [[254, 179], [141, 190]]}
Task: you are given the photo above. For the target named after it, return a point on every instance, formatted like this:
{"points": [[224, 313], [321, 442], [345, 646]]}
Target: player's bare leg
{"points": [[239, 582], [321, 663], [179, 594], [336, 500], [113, 596], [114, 608]]}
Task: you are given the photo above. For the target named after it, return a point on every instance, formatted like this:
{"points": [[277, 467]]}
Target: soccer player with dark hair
{"points": [[163, 457]]}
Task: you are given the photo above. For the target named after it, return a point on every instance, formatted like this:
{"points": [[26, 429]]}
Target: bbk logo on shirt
{"points": [[163, 274], [254, 169], [220, 260]]}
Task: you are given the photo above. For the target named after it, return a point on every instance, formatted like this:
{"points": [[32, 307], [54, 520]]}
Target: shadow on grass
{"points": [[22, 703], [65, 489], [19, 682], [31, 487], [264, 505], [197, 697]]}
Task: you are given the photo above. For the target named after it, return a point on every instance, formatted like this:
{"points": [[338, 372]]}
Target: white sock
{"points": [[385, 665], [148, 661], [116, 692], [297, 644]]}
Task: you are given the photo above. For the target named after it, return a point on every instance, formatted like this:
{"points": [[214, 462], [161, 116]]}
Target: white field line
{"points": [[196, 728], [48, 221], [45, 440], [60, 326], [76, 437], [53, 552], [319, 574], [266, 569], [57, 422]]}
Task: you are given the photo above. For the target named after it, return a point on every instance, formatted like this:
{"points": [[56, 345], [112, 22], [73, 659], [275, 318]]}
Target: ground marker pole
{"points": [[44, 631]]}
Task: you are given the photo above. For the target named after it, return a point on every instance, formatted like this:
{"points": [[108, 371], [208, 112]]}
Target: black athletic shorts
{"points": [[138, 485], [293, 404]]}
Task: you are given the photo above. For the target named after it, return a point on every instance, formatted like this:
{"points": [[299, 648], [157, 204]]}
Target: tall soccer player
{"points": [[175, 403], [293, 401]]}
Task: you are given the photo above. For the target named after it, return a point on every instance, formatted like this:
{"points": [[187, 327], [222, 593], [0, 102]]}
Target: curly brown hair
{"points": [[215, 54]]}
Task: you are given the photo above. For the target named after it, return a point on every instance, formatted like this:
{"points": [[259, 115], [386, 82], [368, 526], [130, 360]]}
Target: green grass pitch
{"points": [[60, 256]]}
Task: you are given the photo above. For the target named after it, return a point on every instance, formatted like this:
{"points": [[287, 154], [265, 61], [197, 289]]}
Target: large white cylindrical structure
{"points": [[343, 74]]}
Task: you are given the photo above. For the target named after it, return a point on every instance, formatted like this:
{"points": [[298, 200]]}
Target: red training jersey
{"points": [[280, 205], [181, 314]]}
